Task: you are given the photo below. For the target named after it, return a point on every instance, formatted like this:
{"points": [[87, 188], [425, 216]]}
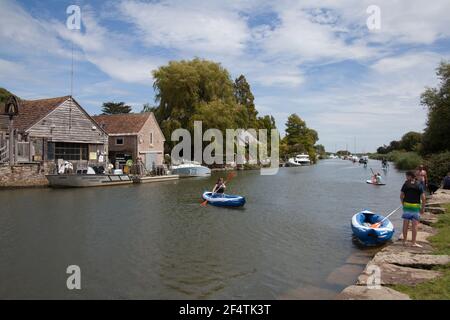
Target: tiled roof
{"points": [[31, 111], [127, 123]]}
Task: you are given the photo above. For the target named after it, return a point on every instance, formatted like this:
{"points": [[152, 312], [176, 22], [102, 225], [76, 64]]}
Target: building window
{"points": [[151, 137], [71, 151], [119, 141]]}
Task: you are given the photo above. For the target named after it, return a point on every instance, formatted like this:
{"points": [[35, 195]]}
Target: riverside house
{"points": [[52, 130], [133, 136]]}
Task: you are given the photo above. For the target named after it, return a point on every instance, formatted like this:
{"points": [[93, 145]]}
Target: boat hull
{"points": [[184, 172], [86, 180], [223, 200], [375, 184], [371, 236]]}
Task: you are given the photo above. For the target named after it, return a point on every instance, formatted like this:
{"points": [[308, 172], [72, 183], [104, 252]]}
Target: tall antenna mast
{"points": [[71, 75]]}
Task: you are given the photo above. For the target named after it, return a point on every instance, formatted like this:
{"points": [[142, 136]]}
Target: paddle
{"points": [[378, 224], [230, 176]]}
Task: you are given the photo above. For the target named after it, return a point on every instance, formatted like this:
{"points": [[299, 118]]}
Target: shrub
{"points": [[438, 166], [407, 160]]}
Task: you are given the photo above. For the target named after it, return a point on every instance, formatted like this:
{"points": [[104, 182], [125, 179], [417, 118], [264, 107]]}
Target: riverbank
{"points": [[410, 272]]}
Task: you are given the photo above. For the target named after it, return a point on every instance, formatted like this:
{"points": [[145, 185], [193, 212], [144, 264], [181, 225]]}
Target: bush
{"points": [[407, 160], [402, 160], [438, 166]]}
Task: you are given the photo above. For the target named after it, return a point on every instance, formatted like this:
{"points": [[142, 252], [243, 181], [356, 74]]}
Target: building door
{"points": [[150, 161]]}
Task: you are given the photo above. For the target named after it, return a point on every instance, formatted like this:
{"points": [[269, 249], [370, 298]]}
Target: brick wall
{"points": [[23, 175]]}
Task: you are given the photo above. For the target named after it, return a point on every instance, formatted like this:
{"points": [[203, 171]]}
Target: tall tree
{"points": [[437, 100], [115, 108], [300, 138], [244, 97], [411, 141], [195, 90]]}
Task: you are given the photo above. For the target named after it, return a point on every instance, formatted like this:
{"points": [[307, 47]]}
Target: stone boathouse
{"points": [[134, 136]]}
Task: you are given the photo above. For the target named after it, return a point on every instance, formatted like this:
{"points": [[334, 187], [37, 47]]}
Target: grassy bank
{"points": [[438, 289], [402, 160]]}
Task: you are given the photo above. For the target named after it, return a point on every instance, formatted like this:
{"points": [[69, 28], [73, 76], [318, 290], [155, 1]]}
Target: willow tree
{"points": [[188, 90]]}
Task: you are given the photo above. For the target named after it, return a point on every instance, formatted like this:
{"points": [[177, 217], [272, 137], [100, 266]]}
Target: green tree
{"points": [[411, 141], [4, 94], [196, 90], [244, 97], [147, 107], [115, 108], [299, 138], [437, 100]]}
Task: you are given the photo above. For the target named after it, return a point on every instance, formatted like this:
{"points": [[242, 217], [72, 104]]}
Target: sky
{"points": [[357, 86]]}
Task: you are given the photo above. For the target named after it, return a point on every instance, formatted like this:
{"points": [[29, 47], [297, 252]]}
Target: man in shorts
{"points": [[413, 200]]}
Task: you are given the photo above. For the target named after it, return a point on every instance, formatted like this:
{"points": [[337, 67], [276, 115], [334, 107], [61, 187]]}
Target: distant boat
{"points": [[190, 169], [299, 160]]}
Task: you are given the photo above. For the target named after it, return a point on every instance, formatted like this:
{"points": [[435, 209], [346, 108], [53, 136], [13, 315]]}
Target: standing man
{"points": [[413, 199], [422, 176]]}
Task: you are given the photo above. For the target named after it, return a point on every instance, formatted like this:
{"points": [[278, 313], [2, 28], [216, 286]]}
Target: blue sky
{"points": [[314, 58]]}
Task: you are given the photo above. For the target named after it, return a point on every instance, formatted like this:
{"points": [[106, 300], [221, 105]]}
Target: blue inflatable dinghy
{"points": [[223, 200], [361, 226]]}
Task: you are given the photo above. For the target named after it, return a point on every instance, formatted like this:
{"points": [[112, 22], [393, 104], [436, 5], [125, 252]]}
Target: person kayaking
{"points": [[219, 187], [412, 197], [384, 163]]}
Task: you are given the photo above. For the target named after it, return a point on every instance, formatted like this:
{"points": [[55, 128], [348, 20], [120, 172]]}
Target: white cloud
{"points": [[198, 28]]}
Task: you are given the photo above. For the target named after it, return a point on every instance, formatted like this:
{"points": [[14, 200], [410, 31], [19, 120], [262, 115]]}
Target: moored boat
{"points": [[299, 160], [87, 180], [223, 200], [361, 226], [190, 169]]}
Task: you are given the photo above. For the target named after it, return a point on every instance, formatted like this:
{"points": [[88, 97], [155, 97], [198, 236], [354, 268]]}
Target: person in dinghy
{"points": [[219, 187]]}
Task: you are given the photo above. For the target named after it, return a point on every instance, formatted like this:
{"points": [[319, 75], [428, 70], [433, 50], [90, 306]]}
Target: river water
{"points": [[154, 241]]}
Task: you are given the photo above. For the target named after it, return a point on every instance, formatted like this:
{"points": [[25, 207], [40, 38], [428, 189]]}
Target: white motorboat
{"points": [[190, 169], [299, 160]]}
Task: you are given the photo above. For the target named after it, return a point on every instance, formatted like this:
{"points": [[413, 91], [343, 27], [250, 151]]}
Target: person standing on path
{"points": [[413, 200], [422, 176]]}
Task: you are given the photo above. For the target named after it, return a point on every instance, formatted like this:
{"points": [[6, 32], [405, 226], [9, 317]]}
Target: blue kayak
{"points": [[361, 223], [223, 200]]}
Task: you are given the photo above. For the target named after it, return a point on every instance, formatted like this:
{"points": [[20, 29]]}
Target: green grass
{"points": [[437, 289], [441, 241]]}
